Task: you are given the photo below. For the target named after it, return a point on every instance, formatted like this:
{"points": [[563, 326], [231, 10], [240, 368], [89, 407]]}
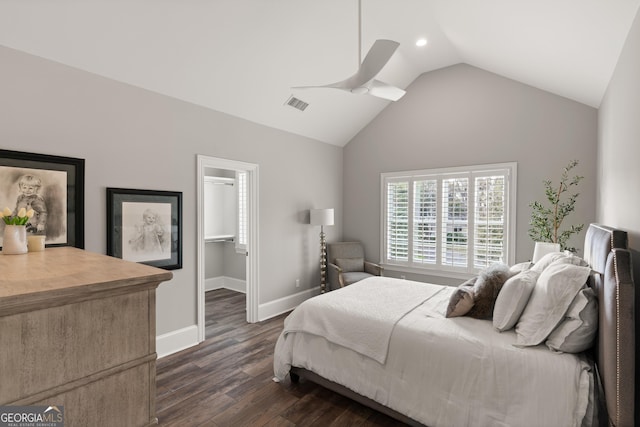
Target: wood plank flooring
{"points": [[227, 379]]}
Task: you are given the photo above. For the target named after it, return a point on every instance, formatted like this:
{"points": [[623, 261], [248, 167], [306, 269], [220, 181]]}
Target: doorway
{"points": [[250, 171]]}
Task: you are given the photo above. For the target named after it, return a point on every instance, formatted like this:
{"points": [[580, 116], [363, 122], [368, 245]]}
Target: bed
{"points": [[396, 352]]}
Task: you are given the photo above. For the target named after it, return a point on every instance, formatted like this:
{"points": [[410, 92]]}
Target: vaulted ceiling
{"points": [[242, 57]]}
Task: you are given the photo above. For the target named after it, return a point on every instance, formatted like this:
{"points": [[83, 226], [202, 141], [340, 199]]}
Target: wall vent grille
{"points": [[296, 103]]}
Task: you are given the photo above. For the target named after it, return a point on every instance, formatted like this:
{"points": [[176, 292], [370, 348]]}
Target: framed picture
{"points": [[53, 187], [145, 226]]}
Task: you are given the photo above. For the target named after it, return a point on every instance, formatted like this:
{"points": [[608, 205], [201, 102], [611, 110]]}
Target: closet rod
{"points": [[218, 240]]}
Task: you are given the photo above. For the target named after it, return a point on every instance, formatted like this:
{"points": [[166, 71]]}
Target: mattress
{"points": [[449, 372]]}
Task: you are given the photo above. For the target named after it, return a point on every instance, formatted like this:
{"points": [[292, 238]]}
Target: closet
{"points": [[225, 260]]}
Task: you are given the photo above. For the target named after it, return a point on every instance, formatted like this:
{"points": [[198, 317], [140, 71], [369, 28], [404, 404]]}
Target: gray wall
{"points": [[618, 154], [134, 138], [221, 259], [619, 147], [463, 115]]}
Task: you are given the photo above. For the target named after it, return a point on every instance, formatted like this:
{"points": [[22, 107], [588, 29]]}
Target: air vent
{"points": [[296, 103]]}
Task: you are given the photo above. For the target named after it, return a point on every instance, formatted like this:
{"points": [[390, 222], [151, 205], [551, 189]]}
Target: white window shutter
{"points": [[241, 234], [456, 219]]}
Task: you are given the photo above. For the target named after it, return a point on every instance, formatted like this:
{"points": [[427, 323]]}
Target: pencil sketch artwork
{"points": [[44, 191], [146, 231]]}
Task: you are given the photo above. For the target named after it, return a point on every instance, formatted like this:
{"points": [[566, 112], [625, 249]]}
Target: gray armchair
{"points": [[346, 264]]}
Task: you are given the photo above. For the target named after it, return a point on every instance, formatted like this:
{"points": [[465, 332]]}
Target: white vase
{"points": [[543, 248], [14, 241]]}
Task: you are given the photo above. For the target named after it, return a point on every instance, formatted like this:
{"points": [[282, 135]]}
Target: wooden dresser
{"points": [[77, 329]]}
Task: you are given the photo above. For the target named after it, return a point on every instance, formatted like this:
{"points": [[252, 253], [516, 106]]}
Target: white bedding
{"points": [[450, 372], [371, 314]]}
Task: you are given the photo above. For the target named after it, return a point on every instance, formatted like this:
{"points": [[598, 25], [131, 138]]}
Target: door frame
{"points": [[253, 257]]}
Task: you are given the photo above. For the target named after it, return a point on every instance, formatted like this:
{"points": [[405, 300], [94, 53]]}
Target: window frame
{"points": [[508, 169]]}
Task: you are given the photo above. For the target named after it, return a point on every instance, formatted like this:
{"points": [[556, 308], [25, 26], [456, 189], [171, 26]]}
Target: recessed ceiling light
{"points": [[421, 42]]}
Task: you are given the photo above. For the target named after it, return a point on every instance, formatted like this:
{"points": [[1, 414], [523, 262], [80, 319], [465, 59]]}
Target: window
{"points": [[456, 219], [241, 232]]}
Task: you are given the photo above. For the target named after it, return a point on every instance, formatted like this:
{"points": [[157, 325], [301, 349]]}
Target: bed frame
{"points": [[606, 252]]}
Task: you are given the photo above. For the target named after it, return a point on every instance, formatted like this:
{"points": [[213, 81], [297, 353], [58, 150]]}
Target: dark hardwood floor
{"points": [[227, 379]]}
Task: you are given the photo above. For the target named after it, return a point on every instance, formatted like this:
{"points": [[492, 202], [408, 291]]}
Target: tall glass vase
{"points": [[14, 240]]}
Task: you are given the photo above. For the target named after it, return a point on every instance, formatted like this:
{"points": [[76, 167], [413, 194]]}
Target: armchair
{"points": [[346, 264]]}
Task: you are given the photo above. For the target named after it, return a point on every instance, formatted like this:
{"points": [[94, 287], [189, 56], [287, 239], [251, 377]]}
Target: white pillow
{"points": [[575, 259], [513, 298], [547, 260], [555, 289], [578, 329], [565, 257], [520, 267]]}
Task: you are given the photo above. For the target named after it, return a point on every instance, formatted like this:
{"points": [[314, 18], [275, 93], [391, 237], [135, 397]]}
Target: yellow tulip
{"points": [[30, 213], [22, 212], [6, 212]]}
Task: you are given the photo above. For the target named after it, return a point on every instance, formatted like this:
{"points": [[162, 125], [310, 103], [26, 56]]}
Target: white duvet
{"points": [[446, 372]]}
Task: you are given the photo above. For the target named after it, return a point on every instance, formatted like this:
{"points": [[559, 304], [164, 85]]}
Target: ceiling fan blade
{"points": [[374, 62], [386, 91], [363, 80]]}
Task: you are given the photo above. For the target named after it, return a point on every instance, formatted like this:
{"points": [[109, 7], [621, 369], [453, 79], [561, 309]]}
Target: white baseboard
{"points": [[226, 283], [282, 305], [175, 341], [213, 283]]}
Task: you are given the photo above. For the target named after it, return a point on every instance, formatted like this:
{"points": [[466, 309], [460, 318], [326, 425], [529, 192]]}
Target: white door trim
{"points": [[253, 258]]}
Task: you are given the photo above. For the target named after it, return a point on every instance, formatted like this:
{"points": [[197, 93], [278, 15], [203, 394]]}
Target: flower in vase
{"points": [[20, 219]]}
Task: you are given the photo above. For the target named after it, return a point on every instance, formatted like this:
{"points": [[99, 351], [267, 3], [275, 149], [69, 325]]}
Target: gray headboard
{"points": [[606, 252]]}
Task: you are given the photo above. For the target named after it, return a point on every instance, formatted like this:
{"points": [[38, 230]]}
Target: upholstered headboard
{"points": [[606, 252], [599, 241]]}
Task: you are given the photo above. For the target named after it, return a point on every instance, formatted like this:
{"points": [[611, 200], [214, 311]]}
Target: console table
{"points": [[77, 329]]}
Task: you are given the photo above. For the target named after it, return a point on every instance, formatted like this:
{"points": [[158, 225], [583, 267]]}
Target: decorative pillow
{"points": [[461, 300], [350, 264], [513, 298], [520, 267], [555, 289], [486, 289], [578, 329]]}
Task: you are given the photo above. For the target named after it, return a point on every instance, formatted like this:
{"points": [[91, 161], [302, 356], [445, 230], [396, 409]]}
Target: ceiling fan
{"points": [[363, 81]]}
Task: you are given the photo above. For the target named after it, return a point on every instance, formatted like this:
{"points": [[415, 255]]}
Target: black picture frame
{"points": [[60, 187], [145, 226]]}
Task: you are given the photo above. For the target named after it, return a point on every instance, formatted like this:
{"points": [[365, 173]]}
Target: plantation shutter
{"points": [[454, 220], [455, 230], [489, 220], [397, 214], [425, 221], [241, 232]]}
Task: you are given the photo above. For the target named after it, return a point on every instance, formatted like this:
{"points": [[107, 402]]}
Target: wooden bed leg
{"points": [[295, 378]]}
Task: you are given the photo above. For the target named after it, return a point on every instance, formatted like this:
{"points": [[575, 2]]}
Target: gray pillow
{"points": [[350, 264], [486, 290], [578, 329], [461, 300]]}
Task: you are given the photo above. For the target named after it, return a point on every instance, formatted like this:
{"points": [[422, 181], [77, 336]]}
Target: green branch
{"points": [[547, 221]]}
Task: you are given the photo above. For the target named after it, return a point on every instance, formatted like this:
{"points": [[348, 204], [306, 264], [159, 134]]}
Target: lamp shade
{"points": [[543, 248], [321, 216]]}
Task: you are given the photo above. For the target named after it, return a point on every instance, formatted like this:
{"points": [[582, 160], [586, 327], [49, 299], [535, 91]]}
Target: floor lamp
{"points": [[322, 217]]}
